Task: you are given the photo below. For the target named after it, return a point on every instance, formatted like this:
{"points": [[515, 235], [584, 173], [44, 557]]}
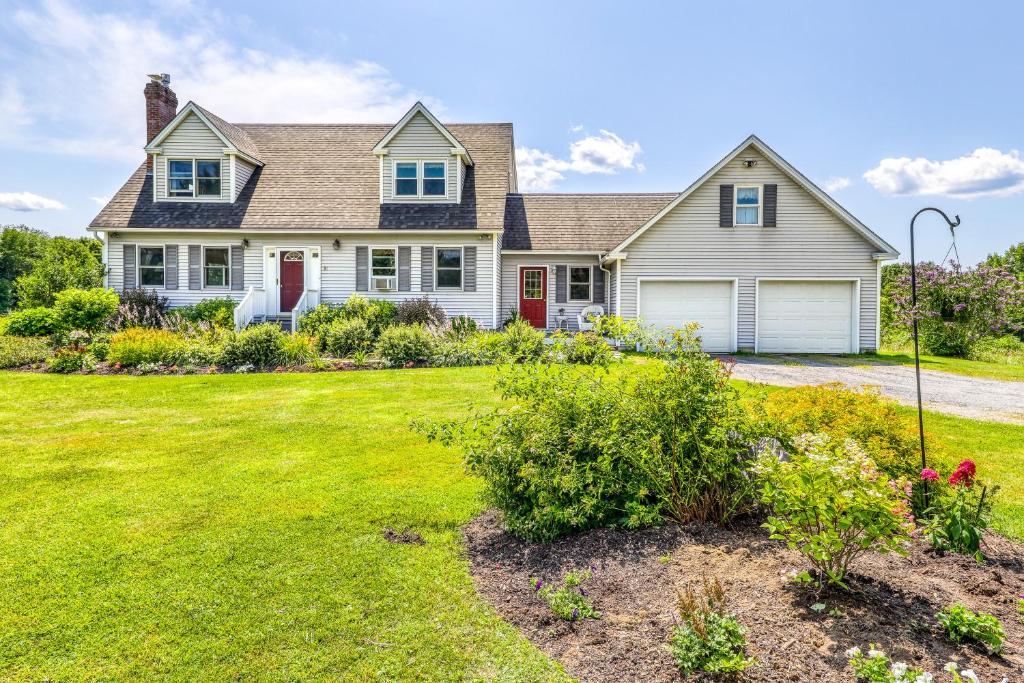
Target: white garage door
{"points": [[805, 317], [707, 303]]}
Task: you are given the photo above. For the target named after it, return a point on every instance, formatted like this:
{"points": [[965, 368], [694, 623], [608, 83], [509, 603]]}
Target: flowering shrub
{"points": [[136, 346], [960, 511], [831, 503], [18, 351], [462, 326], [708, 638], [139, 308], [962, 624], [875, 667], [420, 311], [71, 359], [956, 307], [570, 601]]}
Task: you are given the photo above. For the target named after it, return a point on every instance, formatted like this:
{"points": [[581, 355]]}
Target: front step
{"points": [[284, 321]]}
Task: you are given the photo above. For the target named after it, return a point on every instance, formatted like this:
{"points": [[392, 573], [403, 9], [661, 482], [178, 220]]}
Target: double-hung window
{"points": [[748, 205], [421, 179], [193, 178], [406, 179], [216, 268], [151, 266], [579, 283], [383, 269], [434, 180], [449, 267]]}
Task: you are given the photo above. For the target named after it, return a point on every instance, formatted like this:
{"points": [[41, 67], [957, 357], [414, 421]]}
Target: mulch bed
{"points": [[636, 576]]}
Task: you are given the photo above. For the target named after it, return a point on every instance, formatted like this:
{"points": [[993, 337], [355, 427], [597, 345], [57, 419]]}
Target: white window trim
{"points": [[759, 206], [462, 269], [369, 268], [139, 267], [569, 283], [195, 178], [227, 269], [419, 179]]}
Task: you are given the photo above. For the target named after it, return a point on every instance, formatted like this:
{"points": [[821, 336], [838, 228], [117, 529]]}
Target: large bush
{"points": [[420, 311], [21, 247], [575, 449], [139, 308], [65, 264], [887, 435], [31, 322], [259, 346], [402, 344], [520, 342], [585, 348], [378, 314], [85, 309], [216, 312], [136, 346], [18, 351], [830, 502], [344, 337], [956, 307]]}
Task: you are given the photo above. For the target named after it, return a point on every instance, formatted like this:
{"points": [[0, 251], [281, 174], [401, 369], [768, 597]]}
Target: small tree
{"points": [[66, 263], [20, 248]]}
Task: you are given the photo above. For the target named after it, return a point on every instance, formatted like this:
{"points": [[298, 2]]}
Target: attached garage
{"points": [[807, 316], [711, 304]]}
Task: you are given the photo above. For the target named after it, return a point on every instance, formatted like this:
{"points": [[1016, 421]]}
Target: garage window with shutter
{"points": [[748, 205]]}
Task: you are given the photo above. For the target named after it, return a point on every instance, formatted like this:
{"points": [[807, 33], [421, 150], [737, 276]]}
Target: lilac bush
{"points": [[957, 307]]}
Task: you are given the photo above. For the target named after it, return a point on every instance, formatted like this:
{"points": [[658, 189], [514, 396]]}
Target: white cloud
{"points": [[605, 153], [834, 184], [27, 201], [985, 172], [100, 201], [77, 88]]}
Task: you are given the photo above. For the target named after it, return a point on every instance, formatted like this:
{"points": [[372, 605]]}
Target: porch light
{"points": [[245, 243], [337, 245]]}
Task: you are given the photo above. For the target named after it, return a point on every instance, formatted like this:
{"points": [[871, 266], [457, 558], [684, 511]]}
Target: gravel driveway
{"points": [[944, 392]]}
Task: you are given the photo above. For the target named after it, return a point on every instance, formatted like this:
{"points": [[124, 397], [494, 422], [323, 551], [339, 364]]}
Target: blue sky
{"points": [[891, 106]]}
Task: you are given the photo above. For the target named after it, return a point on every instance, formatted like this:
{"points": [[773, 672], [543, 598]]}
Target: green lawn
{"points": [[959, 366], [229, 527]]}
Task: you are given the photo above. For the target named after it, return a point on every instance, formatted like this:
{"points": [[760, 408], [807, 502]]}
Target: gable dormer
{"points": [[421, 161], [199, 157]]}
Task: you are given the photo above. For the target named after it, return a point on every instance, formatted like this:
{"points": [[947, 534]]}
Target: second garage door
{"points": [[673, 303], [805, 317]]}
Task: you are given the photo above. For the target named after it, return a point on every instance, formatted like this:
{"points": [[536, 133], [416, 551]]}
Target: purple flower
{"points": [[537, 585], [583, 591], [575, 613]]}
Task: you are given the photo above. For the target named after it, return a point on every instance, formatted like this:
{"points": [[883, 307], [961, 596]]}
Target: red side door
{"points": [[292, 278], [533, 295]]}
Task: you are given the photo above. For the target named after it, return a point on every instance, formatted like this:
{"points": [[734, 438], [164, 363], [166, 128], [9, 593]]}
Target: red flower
{"points": [[964, 474], [929, 474]]}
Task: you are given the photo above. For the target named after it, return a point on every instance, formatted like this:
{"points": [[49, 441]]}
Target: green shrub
{"points": [[583, 348], [521, 343], [480, 348], [261, 346], [344, 337], [569, 601], [195, 352], [886, 434], [137, 346], [462, 327], [875, 667], [216, 312], [402, 344], [316, 320], [65, 263], [708, 638], [1006, 349], [18, 351], [31, 322], [71, 359], [962, 624], [832, 504], [420, 311], [299, 349], [84, 309], [379, 314], [139, 308]]}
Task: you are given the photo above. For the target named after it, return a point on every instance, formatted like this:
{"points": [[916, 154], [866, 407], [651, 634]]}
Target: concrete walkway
{"points": [[974, 397]]}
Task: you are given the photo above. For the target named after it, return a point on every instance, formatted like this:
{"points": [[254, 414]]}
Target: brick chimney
{"points": [[161, 106]]}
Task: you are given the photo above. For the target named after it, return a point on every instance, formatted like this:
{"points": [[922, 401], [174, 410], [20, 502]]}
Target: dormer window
{"points": [[193, 178], [421, 179]]}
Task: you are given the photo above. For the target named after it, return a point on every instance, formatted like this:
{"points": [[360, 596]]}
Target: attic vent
{"points": [[750, 163]]}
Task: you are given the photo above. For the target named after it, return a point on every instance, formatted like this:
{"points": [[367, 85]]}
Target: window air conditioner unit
{"points": [[384, 284]]}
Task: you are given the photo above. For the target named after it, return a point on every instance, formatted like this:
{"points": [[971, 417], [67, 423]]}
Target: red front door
{"points": [[293, 278], [533, 295]]}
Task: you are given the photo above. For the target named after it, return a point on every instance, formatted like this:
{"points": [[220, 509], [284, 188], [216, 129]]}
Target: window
{"points": [[151, 266], [405, 179], [579, 283], [748, 205], [383, 269], [182, 175], [449, 268], [433, 179], [216, 268], [532, 280]]}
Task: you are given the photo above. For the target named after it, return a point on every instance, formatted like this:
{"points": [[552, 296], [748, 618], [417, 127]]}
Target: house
{"points": [[281, 217]]}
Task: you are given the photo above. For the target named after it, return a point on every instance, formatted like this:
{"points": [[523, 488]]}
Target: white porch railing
{"points": [[248, 308], [310, 299]]}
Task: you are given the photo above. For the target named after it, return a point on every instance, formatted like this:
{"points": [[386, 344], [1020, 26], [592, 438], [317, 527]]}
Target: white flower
{"points": [[853, 651], [875, 653], [951, 667], [970, 675], [923, 678], [899, 669]]}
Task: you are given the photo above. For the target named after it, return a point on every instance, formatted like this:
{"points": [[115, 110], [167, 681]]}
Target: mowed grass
{"points": [[229, 528], [957, 366]]}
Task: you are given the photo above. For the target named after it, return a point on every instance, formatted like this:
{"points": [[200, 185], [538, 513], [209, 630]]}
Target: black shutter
{"points": [[469, 269], [195, 266], [128, 266], [237, 267], [427, 269], [560, 284], [597, 288], [362, 269], [404, 269], [771, 205], [725, 202], [170, 266]]}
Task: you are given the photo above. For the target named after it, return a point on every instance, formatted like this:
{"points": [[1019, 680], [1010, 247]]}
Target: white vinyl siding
{"points": [[419, 140], [809, 241], [243, 171], [192, 139], [510, 284]]}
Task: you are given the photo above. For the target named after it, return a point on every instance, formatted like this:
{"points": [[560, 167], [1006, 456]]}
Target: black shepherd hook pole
{"points": [[917, 353]]}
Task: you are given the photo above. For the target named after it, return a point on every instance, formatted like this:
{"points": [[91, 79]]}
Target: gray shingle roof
{"points": [[576, 222], [324, 176], [238, 137]]}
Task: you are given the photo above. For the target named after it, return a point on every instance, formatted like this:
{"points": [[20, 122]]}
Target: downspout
{"points": [[600, 265]]}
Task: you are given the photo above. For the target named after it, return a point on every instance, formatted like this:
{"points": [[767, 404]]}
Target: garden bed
{"points": [[636, 576]]}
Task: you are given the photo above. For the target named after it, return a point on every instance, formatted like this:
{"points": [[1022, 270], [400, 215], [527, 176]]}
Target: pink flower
{"points": [[964, 474], [929, 475]]}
